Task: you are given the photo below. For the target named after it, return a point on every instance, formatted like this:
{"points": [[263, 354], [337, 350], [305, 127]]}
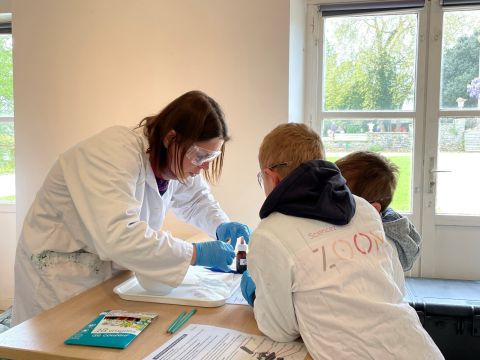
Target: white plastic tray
{"points": [[201, 287]]}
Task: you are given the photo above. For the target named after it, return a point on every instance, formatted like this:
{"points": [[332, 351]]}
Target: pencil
{"points": [[183, 321], [175, 321]]}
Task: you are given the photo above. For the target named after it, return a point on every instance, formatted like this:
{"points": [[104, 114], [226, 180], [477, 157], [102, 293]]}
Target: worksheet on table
{"points": [[237, 298], [204, 342]]}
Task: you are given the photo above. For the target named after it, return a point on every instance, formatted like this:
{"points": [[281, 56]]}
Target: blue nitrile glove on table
{"points": [[231, 231], [214, 253], [248, 288]]}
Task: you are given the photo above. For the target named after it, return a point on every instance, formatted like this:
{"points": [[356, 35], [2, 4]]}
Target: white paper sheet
{"points": [[237, 298], [203, 342]]}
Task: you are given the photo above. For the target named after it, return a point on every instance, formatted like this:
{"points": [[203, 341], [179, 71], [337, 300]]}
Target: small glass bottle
{"points": [[242, 256]]}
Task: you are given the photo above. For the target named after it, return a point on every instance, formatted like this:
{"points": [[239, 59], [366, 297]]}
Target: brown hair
{"points": [[291, 143], [194, 116], [370, 175]]}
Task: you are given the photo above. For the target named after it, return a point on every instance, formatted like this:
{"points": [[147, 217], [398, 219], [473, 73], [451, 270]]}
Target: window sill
{"points": [[8, 208]]}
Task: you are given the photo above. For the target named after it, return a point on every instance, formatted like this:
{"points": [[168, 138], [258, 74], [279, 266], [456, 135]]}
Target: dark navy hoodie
{"points": [[314, 190]]}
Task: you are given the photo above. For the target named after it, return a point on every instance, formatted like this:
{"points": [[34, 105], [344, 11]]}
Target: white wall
{"points": [[7, 253], [83, 65], [456, 253]]}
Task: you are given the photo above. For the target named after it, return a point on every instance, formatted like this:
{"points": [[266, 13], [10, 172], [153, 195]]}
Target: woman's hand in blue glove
{"points": [[231, 231], [248, 287], [214, 253]]}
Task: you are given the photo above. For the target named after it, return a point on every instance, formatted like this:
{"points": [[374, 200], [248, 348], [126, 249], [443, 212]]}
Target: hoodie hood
{"points": [[404, 235], [315, 190]]}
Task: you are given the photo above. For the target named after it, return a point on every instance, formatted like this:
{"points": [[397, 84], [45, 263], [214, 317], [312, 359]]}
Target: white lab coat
{"points": [[98, 211], [339, 287]]}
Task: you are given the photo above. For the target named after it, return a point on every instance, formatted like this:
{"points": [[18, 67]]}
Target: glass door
{"points": [[451, 200]]}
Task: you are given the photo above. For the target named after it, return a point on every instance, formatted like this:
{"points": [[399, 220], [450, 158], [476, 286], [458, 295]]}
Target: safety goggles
{"points": [[271, 167], [199, 156]]}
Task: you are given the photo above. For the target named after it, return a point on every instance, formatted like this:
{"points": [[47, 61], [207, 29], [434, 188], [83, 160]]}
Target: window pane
{"points": [[460, 60], [6, 76], [458, 192], [369, 62], [392, 138], [7, 142], [7, 162]]}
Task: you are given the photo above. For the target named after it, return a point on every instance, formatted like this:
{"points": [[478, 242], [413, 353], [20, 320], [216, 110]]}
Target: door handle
{"points": [[440, 171], [432, 178]]}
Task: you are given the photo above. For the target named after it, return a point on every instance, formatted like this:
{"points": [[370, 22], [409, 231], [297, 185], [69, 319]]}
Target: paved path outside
{"points": [[7, 185]]}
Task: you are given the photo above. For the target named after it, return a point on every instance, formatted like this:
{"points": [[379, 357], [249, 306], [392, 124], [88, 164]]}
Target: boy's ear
{"points": [[274, 176], [377, 206], [169, 137]]}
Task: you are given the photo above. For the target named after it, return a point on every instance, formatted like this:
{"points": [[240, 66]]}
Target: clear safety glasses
{"points": [[199, 156], [271, 167]]}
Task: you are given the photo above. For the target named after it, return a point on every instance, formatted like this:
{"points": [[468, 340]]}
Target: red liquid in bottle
{"points": [[242, 257]]}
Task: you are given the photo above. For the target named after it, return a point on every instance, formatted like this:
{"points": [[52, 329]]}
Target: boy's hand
{"points": [[248, 288], [231, 231]]}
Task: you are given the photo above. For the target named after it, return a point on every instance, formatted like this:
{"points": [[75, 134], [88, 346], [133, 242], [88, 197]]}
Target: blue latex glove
{"points": [[248, 287], [214, 253], [231, 231]]}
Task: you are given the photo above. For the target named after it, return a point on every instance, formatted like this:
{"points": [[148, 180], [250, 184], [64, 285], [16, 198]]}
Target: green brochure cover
{"points": [[112, 329]]}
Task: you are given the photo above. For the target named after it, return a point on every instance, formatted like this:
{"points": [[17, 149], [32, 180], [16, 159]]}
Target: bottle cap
{"points": [[242, 247]]}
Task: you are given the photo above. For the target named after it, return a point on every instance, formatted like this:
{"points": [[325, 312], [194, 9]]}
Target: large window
{"points": [[7, 143]]}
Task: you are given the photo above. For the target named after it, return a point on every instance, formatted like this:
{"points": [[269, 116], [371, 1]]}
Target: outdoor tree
{"points": [[369, 65], [6, 76], [377, 71], [7, 142], [460, 66]]}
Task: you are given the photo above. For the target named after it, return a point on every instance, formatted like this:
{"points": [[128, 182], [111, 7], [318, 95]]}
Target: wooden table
{"points": [[42, 336]]}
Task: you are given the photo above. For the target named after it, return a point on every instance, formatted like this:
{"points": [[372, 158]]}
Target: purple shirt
{"points": [[162, 185]]}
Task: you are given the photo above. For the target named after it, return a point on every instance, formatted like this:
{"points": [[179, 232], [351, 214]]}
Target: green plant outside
{"points": [[7, 135], [10, 198], [7, 148], [376, 148], [403, 194]]}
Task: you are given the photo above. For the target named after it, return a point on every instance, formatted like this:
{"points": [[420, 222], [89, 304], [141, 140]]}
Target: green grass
{"points": [[403, 194], [10, 198]]}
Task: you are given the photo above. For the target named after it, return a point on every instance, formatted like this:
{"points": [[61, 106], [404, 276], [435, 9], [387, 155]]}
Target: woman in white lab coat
{"points": [[103, 203]]}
